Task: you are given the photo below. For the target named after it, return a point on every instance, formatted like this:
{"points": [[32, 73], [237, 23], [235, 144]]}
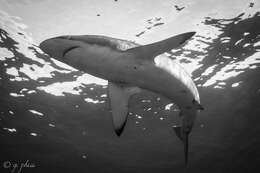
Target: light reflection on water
{"points": [[68, 103]]}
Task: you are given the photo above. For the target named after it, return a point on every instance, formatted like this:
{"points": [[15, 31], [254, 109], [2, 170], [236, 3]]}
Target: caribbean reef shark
{"points": [[129, 69]]}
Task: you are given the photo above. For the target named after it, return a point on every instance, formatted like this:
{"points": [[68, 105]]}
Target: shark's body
{"points": [[130, 68]]}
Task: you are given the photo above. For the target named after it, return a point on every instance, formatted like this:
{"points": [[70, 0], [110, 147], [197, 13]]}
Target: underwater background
{"points": [[57, 119]]}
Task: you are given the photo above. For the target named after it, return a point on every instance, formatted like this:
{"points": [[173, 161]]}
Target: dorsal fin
{"points": [[150, 51]]}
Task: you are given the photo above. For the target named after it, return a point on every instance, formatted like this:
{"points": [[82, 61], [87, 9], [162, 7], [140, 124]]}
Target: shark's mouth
{"points": [[69, 49]]}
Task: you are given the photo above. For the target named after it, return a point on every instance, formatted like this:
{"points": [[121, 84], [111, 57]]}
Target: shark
{"points": [[130, 68]]}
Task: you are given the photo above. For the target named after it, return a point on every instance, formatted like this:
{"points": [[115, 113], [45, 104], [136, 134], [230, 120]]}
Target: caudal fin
{"points": [[152, 50], [184, 137]]}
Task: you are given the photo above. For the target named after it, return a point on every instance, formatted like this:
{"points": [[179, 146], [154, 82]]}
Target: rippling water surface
{"points": [[58, 118]]}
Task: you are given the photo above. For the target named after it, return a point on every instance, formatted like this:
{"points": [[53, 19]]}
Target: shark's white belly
{"points": [[162, 76]]}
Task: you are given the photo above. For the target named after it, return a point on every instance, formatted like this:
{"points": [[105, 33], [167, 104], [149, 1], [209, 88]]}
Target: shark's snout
{"points": [[57, 47], [45, 45]]}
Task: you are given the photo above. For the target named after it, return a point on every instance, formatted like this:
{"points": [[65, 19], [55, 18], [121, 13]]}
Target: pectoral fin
{"points": [[119, 96], [152, 50]]}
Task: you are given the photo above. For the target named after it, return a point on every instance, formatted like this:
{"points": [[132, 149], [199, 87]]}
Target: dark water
{"points": [[71, 135]]}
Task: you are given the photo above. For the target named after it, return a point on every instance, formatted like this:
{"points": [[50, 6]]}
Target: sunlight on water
{"points": [[51, 125], [59, 79], [236, 84], [16, 95], [5, 54], [35, 112], [10, 129], [168, 106], [59, 88], [206, 34], [33, 134], [51, 110], [90, 100], [12, 71], [233, 70]]}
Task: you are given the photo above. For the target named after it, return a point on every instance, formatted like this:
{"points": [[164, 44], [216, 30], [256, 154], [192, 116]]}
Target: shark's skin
{"points": [[127, 63]]}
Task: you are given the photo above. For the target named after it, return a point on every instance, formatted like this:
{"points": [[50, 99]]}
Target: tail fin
{"points": [[154, 49], [184, 137]]}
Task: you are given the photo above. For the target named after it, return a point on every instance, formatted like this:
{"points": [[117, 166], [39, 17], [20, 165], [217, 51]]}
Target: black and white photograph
{"points": [[129, 86]]}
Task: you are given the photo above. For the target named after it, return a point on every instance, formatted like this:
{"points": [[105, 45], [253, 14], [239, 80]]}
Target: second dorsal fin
{"points": [[150, 51]]}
